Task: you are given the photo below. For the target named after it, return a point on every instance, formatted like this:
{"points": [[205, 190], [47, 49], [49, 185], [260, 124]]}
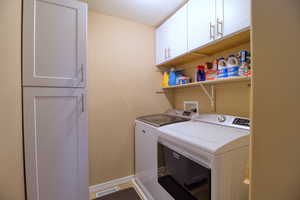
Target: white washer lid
{"points": [[212, 138]]}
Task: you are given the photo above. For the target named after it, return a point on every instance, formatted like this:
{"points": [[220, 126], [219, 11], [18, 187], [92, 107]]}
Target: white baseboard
{"points": [[142, 190], [111, 183]]}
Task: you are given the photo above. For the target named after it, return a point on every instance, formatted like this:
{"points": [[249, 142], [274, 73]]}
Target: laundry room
{"points": [[149, 100]]}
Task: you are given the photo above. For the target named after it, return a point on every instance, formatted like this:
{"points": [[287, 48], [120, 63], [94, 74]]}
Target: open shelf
{"points": [[213, 82], [216, 46]]}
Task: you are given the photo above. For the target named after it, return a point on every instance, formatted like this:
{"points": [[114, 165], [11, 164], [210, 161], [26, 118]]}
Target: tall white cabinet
{"points": [[54, 99]]}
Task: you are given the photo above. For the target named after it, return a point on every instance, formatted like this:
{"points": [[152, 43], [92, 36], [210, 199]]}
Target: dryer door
{"points": [[181, 177]]}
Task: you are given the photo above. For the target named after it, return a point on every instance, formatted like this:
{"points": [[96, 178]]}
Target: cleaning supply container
{"points": [[173, 77], [211, 71], [233, 66], [245, 69], [222, 68], [200, 73], [165, 82]]}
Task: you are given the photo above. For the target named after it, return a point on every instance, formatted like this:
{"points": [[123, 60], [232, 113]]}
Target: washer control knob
{"points": [[221, 118]]}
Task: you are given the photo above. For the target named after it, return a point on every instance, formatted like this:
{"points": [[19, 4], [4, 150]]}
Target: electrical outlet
{"points": [[191, 106]]}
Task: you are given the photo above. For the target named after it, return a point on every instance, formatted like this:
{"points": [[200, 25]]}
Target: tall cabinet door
{"points": [[232, 16], [201, 23], [56, 151], [177, 33], [54, 43]]}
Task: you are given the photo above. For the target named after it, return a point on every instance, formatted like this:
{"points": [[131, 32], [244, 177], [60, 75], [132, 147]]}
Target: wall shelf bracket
{"points": [[211, 95]]}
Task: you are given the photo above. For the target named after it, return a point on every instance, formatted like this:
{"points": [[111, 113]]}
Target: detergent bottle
{"points": [[165, 82]]}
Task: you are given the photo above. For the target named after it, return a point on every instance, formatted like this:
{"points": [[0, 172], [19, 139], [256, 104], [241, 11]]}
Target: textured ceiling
{"points": [[149, 12]]}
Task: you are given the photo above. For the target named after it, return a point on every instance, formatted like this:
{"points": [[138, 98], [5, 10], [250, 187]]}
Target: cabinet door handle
{"points": [[219, 27], [82, 72], [165, 53], [169, 53], [211, 31], [82, 103]]}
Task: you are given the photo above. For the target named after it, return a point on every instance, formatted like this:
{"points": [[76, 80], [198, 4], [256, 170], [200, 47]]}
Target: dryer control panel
{"points": [[224, 120], [241, 122]]}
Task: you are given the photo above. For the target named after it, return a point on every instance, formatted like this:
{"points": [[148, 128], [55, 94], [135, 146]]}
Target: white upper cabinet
{"points": [[232, 16], [54, 43], [171, 37], [178, 33], [162, 43], [201, 23], [198, 23]]}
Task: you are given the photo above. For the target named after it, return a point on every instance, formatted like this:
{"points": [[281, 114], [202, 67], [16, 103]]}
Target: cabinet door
{"points": [[54, 43], [232, 16], [161, 44], [201, 23], [177, 33], [55, 136]]}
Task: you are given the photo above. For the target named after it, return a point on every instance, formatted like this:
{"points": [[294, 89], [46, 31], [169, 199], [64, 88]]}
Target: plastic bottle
{"points": [[245, 69], [200, 73], [172, 77], [165, 82]]}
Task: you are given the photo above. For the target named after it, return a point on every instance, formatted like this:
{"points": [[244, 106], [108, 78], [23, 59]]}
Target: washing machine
{"points": [[146, 141]]}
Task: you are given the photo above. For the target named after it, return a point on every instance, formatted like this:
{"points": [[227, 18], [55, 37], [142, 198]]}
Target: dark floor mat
{"points": [[127, 194]]}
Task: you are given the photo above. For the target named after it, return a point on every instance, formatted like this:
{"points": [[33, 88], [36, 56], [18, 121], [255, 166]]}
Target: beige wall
{"points": [[276, 98], [231, 99], [11, 161], [122, 85]]}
